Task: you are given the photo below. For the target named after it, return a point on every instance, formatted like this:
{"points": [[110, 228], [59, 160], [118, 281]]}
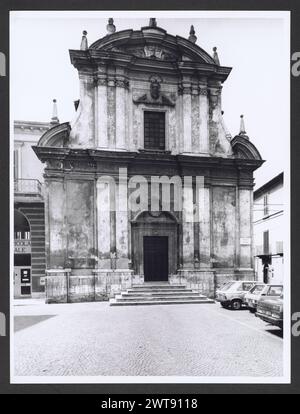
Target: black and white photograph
{"points": [[150, 197]]}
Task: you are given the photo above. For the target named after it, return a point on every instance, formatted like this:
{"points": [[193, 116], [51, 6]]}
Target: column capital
{"points": [[185, 89], [100, 81], [122, 83], [203, 91]]}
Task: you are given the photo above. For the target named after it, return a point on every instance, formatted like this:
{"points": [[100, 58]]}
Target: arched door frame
{"points": [[154, 224]]}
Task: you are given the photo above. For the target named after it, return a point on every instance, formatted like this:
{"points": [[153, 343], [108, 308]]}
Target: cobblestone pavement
{"points": [[171, 340]]}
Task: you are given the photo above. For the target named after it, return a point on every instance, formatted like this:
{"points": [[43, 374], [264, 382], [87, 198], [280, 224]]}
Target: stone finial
{"points": [[192, 36], [76, 104], [215, 56], [84, 42], [152, 22], [242, 126], [111, 28], [54, 119]]}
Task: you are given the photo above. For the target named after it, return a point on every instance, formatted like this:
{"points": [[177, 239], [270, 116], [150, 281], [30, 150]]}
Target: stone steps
{"points": [[114, 302], [159, 298], [160, 291], [158, 294]]}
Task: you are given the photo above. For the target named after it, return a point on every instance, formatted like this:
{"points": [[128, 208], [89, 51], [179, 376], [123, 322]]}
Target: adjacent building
{"points": [[269, 227], [29, 214], [149, 123]]}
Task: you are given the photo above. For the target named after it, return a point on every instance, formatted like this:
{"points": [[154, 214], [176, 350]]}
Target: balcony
{"points": [[275, 249], [28, 189]]}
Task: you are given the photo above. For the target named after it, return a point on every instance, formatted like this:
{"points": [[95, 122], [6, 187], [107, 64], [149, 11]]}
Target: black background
{"points": [[5, 7]]}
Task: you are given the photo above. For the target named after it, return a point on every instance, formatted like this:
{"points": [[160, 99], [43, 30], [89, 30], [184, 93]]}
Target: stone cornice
{"points": [[87, 60], [65, 161], [31, 126]]}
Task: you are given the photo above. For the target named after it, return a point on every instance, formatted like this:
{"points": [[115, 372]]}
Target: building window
{"points": [[154, 130], [266, 204], [266, 243]]}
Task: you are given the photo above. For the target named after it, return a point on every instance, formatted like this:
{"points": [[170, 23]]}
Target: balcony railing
{"points": [[29, 187]]}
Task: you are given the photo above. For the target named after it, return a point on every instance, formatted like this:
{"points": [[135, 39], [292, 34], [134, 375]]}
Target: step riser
{"points": [[155, 292], [161, 303], [162, 287], [156, 299], [158, 295], [119, 297]]}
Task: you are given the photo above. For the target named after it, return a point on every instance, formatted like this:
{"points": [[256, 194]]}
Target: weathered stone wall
{"points": [[223, 226], [201, 281], [80, 222], [55, 207], [83, 128]]}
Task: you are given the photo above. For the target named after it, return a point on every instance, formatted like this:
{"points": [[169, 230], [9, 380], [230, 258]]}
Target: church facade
{"points": [[146, 185]]}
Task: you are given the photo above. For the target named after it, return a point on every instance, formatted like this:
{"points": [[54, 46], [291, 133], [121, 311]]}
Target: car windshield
{"points": [[247, 286], [227, 286], [257, 289], [275, 291]]}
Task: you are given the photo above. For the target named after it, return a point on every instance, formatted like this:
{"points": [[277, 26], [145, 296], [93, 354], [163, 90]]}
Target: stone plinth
{"points": [[200, 280]]}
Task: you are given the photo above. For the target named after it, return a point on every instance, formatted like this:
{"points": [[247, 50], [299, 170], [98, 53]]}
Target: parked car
{"points": [[270, 307], [232, 293], [252, 297], [260, 290]]}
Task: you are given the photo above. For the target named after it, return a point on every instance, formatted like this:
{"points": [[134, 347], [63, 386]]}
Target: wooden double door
{"points": [[156, 258]]}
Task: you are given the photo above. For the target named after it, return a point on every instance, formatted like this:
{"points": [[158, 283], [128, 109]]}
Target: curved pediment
{"points": [[56, 136], [165, 217], [153, 43], [244, 149]]}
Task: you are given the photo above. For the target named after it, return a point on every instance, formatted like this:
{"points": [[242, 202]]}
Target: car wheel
{"points": [[252, 310], [236, 304]]}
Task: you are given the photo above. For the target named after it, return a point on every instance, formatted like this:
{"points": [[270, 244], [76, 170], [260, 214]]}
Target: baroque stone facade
{"points": [[94, 251]]}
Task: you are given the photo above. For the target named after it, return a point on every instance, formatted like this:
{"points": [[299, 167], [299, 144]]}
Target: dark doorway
{"points": [[266, 261], [156, 258], [266, 273]]}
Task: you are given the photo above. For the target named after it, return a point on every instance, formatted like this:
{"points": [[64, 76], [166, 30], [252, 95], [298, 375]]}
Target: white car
{"points": [[252, 297], [231, 295]]}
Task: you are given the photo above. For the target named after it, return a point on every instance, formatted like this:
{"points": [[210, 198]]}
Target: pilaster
{"points": [[203, 115], [102, 133], [104, 227]]}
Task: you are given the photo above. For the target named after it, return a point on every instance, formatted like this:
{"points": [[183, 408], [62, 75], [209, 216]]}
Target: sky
{"points": [[254, 44]]}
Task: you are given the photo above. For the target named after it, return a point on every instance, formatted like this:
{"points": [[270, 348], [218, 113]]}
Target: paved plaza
{"points": [[94, 339]]}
